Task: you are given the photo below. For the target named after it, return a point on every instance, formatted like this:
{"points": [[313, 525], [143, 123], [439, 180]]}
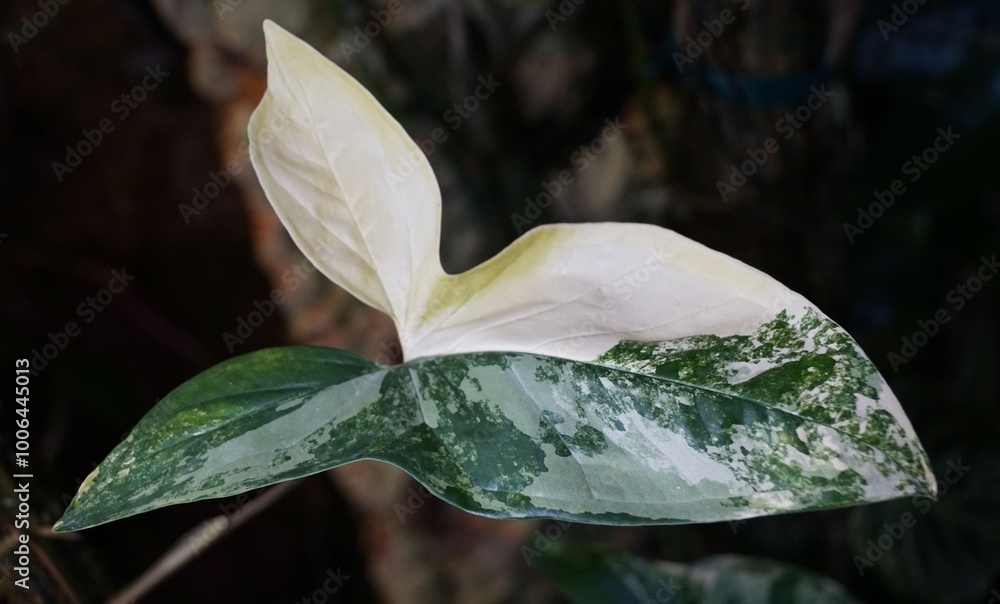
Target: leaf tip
{"points": [[279, 42], [67, 524], [272, 30], [60, 527]]}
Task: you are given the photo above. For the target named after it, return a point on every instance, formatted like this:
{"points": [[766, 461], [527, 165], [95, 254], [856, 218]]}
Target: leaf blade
{"points": [[575, 290], [324, 151], [506, 435]]}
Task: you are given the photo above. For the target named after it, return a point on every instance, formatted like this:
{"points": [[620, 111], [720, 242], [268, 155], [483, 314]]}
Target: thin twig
{"points": [[56, 575], [197, 540], [8, 545]]}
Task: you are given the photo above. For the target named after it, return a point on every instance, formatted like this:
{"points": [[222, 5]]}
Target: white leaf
{"points": [[574, 291], [323, 148], [324, 151]]}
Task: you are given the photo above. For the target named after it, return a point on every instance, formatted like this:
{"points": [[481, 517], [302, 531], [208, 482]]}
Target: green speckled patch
{"points": [[587, 440], [808, 367], [793, 417]]}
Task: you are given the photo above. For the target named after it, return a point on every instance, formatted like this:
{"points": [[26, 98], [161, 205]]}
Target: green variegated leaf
{"points": [[696, 430], [589, 575]]}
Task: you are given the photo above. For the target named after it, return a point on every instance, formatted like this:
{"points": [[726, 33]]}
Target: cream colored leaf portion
{"points": [[574, 291], [327, 155]]}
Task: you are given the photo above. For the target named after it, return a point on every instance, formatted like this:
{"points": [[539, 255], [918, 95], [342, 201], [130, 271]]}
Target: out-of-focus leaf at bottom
{"points": [[936, 551], [589, 575]]}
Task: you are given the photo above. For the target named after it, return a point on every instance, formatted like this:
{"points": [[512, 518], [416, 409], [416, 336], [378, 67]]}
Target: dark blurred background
{"points": [[121, 125]]}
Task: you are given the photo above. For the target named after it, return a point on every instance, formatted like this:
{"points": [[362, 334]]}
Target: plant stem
{"points": [[197, 540]]}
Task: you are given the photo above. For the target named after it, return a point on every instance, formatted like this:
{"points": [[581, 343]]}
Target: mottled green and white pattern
{"points": [[695, 430]]}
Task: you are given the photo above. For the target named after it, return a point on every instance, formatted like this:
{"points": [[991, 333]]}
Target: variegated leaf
{"points": [[702, 429]]}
